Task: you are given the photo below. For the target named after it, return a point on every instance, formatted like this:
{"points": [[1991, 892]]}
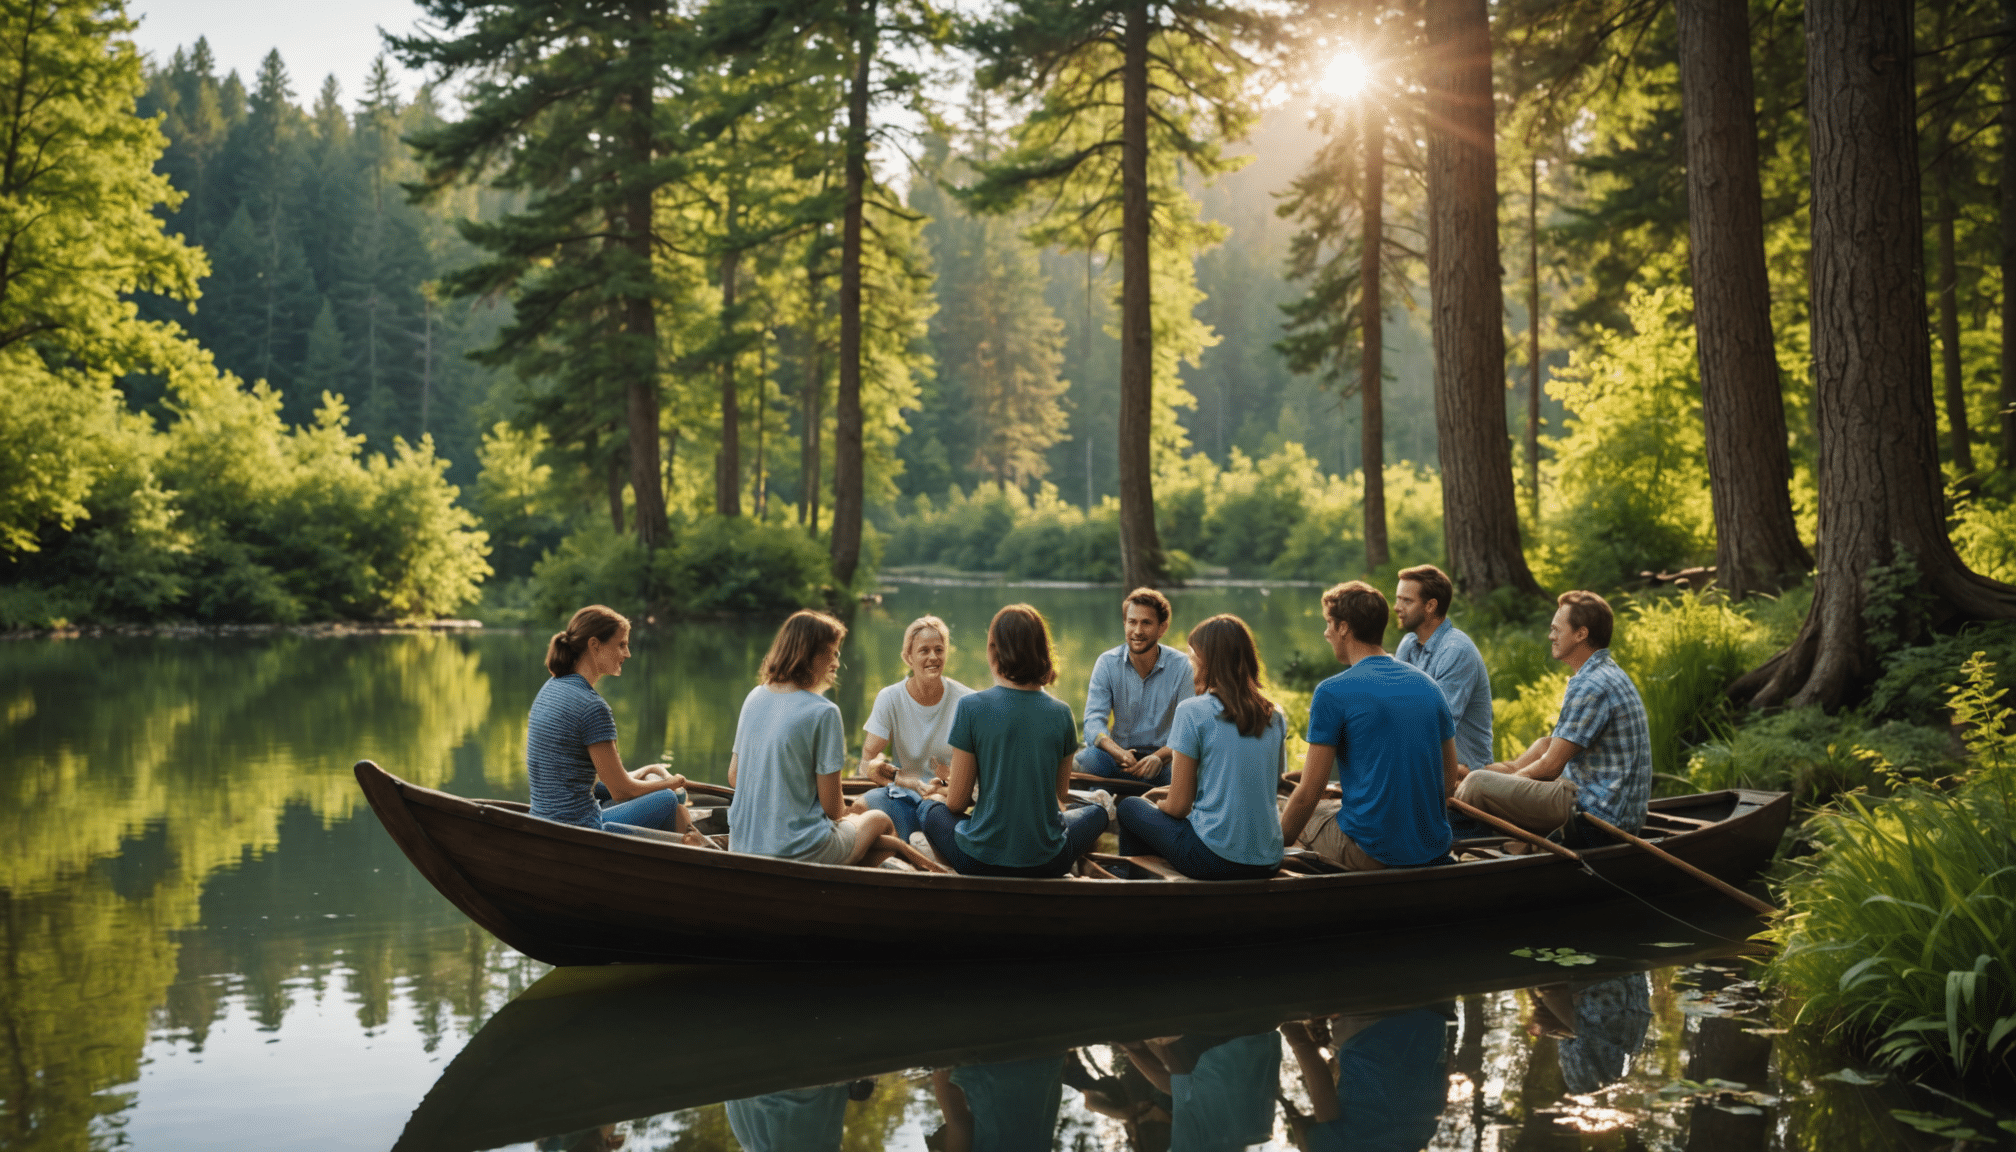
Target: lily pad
{"points": [[1944, 1127], [1566, 957], [1851, 1076], [1670, 944]]}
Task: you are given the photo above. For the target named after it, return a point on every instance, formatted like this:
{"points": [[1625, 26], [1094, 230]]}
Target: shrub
{"points": [[1813, 755], [1918, 680], [730, 564], [1682, 650]]}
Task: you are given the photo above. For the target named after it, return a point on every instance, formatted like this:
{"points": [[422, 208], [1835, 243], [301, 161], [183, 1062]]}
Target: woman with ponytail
{"points": [[570, 739], [1217, 819]]}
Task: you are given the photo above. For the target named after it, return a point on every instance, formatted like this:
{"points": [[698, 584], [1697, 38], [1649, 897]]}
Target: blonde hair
{"points": [[926, 623], [799, 643]]}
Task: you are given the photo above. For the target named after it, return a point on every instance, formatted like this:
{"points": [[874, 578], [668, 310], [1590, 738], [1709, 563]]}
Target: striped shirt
{"points": [[567, 716], [1142, 707], [1602, 714]]}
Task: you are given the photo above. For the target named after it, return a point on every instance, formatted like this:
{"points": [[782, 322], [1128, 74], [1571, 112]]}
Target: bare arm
{"points": [[1064, 767], [1302, 804], [1552, 762], [831, 801], [965, 774], [733, 759], [1182, 787], [626, 785], [1316, 1078], [952, 1105], [873, 764], [1451, 776]]}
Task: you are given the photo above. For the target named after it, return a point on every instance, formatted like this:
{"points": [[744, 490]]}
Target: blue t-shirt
{"points": [[567, 716], [1392, 1085], [1018, 737], [1014, 1104], [1238, 778], [800, 1120], [784, 742], [1225, 1103], [1387, 722]]}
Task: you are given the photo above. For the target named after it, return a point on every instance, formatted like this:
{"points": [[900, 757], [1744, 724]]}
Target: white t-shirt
{"points": [[915, 733]]}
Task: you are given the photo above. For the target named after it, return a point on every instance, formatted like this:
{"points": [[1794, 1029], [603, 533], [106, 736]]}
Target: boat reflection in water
{"points": [[1359, 1044]]}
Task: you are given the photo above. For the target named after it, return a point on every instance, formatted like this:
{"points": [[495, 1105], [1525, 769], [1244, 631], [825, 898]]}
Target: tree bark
{"points": [[849, 478], [1757, 547], [1371, 381], [615, 485], [1480, 512], [1960, 436], [728, 464], [809, 462], [1533, 337], [2008, 224], [640, 317], [1880, 485], [1140, 546]]}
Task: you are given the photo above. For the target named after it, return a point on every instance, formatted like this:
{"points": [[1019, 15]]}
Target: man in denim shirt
{"points": [[1138, 685], [1599, 758], [1428, 641]]}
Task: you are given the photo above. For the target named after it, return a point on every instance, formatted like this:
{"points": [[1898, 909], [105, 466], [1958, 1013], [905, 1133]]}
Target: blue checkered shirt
{"points": [[1602, 714]]}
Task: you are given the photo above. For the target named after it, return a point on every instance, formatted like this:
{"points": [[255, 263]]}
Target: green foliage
{"points": [[1814, 755], [1984, 533], [716, 565], [1918, 680], [1900, 934], [1682, 651]]}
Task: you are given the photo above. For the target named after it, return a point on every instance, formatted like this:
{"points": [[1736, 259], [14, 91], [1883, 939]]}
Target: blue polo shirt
{"points": [[1387, 722]]}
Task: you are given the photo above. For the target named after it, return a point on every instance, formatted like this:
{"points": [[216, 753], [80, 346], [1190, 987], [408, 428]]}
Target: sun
{"points": [[1346, 75]]}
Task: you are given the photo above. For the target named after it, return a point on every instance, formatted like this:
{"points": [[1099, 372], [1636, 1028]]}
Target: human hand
{"points": [[879, 769], [1146, 767], [1124, 757], [648, 772], [1156, 795]]}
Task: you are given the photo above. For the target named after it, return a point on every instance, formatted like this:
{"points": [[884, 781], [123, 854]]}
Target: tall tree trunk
{"points": [[1757, 546], [1961, 437], [1371, 381], [1533, 337], [728, 465], [1480, 511], [615, 485], [1880, 489], [758, 495], [2008, 225], [640, 322], [809, 462], [1140, 547], [849, 479]]}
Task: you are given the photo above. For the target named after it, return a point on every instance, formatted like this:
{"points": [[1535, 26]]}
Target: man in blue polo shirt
{"points": [[1386, 730]]}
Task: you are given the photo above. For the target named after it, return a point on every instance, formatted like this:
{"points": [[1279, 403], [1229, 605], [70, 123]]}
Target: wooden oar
{"points": [[1727, 889], [1507, 826]]}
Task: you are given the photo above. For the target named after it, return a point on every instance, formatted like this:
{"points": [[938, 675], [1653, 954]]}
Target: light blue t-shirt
{"points": [[1387, 722], [567, 716], [784, 741], [1238, 777], [1018, 737], [1014, 1104], [1450, 658], [800, 1120], [1225, 1103]]}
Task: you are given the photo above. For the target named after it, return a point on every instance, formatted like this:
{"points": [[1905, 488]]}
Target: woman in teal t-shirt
{"points": [[1217, 818], [1014, 744]]}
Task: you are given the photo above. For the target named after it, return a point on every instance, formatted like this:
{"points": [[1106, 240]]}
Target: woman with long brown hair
{"points": [[788, 754], [1218, 819], [1012, 744]]}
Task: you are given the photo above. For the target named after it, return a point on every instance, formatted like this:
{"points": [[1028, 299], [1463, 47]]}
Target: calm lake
{"points": [[210, 943]]}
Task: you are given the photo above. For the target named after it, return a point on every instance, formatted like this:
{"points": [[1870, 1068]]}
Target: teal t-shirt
{"points": [[1237, 779], [784, 742], [1018, 737], [1014, 1105], [1225, 1103], [800, 1120]]}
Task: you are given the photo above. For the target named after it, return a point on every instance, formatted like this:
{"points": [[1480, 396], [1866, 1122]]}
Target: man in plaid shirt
{"points": [[1598, 759]]}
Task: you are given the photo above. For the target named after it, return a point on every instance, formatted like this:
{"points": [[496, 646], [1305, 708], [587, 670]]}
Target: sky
{"points": [[315, 37]]}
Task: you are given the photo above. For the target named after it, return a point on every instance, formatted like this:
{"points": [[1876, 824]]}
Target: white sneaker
{"points": [[923, 845]]}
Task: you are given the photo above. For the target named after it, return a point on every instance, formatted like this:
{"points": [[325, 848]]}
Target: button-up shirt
{"points": [[1602, 714], [1451, 659], [1142, 707]]}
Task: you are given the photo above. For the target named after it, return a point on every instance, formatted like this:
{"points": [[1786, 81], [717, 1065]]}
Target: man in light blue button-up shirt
{"points": [[1431, 643], [1138, 686]]}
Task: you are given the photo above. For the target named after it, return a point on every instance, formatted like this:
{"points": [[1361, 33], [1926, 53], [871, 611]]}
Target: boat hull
{"points": [[567, 895]]}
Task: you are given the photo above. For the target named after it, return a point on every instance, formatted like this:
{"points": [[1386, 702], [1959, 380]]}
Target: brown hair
{"points": [[595, 622], [1019, 640], [1434, 585], [1588, 610], [1150, 599], [800, 641], [924, 624], [1224, 646], [1361, 608]]}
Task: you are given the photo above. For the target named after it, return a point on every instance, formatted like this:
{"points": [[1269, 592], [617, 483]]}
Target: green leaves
{"points": [[1565, 957]]}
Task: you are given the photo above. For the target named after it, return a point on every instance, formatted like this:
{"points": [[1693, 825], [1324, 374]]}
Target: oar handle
{"points": [[1514, 830], [1720, 885]]}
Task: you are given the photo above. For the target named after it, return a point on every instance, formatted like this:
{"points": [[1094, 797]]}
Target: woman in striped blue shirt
{"points": [[570, 738]]}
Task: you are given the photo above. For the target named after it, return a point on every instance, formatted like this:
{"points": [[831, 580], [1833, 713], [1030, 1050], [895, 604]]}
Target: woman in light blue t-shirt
{"points": [[1217, 819], [789, 750]]}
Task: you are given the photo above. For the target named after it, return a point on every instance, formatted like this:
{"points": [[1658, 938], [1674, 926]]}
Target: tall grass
{"points": [[1900, 934]]}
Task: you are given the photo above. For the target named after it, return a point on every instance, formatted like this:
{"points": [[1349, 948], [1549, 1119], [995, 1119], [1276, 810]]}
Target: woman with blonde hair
{"points": [[1217, 819], [788, 754], [913, 719], [570, 737], [1012, 744]]}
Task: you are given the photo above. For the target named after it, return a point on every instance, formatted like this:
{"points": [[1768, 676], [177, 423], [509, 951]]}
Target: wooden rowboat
{"points": [[570, 895]]}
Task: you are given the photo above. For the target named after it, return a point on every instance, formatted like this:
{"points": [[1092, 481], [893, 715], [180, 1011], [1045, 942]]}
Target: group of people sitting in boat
{"points": [[979, 781]]}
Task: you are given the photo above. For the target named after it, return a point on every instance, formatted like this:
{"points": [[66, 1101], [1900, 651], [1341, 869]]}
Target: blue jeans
{"points": [[1082, 827], [900, 805], [1146, 830], [1095, 762], [658, 810]]}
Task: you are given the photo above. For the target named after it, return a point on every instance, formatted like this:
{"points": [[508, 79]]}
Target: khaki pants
{"points": [[1535, 805], [1322, 836]]}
